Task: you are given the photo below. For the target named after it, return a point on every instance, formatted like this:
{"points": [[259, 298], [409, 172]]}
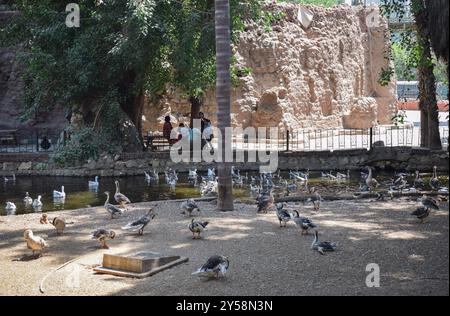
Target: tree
{"points": [[223, 93]]}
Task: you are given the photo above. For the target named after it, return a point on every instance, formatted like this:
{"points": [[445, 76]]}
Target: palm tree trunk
{"points": [[223, 95], [427, 80]]}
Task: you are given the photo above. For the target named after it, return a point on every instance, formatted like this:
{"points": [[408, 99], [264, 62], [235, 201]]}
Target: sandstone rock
{"points": [[303, 78], [25, 166]]}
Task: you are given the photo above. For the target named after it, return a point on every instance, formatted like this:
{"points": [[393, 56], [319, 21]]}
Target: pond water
{"points": [[136, 188]]}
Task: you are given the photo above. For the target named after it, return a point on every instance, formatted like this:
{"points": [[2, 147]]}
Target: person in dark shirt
{"points": [[167, 130], [204, 121]]}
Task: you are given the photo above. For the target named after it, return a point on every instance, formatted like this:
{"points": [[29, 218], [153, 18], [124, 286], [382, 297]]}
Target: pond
{"points": [[137, 189]]}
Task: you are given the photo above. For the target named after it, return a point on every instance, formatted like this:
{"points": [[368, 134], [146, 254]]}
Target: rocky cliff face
{"points": [[12, 89], [321, 76]]}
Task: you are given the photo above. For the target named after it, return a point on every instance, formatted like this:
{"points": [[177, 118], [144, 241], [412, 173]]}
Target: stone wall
{"points": [[322, 76], [383, 158]]}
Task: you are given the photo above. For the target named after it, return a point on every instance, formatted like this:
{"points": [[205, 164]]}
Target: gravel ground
{"points": [[264, 258]]}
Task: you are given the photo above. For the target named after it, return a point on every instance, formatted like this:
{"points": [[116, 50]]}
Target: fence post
{"points": [[37, 140], [287, 140], [371, 138]]}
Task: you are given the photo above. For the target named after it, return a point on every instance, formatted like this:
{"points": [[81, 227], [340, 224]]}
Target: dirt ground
{"points": [[264, 258]]}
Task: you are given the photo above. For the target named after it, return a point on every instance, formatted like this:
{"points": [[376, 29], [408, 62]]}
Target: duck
{"points": [[10, 208], [93, 184], [419, 184], [322, 246], [119, 197], [197, 227], [37, 202], [34, 243], [112, 209], [421, 213], [189, 206], [141, 223], [58, 222], [371, 182], [27, 199], [429, 202], [192, 175], [214, 267], [304, 223], [316, 199], [59, 194], [282, 215], [12, 179], [152, 176], [103, 235], [265, 202], [434, 180]]}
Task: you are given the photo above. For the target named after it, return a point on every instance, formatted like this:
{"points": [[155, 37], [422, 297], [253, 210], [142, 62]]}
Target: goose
{"points": [[254, 189], [34, 243], [282, 215], [102, 235], [189, 206], [27, 199], [141, 223], [434, 180], [213, 267], [10, 208], [12, 179], [93, 184], [197, 227], [371, 182], [192, 175], [265, 202], [322, 246], [421, 213], [152, 176], [429, 202], [304, 223], [316, 199], [290, 186], [58, 194], [37, 202], [119, 197], [111, 209], [419, 184], [58, 222]]}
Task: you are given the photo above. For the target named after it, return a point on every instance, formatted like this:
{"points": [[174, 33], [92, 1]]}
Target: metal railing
{"points": [[31, 141]]}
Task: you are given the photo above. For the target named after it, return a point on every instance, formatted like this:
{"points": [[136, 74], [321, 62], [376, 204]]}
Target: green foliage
{"points": [[386, 76], [270, 18], [399, 118]]}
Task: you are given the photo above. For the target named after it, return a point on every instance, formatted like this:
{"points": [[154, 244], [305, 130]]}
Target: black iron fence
{"points": [[30, 141]]}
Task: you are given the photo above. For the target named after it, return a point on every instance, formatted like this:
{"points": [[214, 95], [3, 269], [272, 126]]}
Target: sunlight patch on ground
{"points": [[229, 236], [352, 225], [405, 235]]}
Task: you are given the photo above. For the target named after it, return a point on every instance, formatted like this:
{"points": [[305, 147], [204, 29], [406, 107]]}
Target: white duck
{"points": [[93, 184], [34, 243], [27, 199], [59, 194], [10, 208], [37, 202]]}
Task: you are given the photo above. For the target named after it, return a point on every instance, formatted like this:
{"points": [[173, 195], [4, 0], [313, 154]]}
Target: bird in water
{"points": [[214, 267], [37, 204], [189, 206], [58, 222], [102, 235], [322, 246], [93, 185], [27, 200], [59, 194], [119, 197], [304, 223], [197, 227], [10, 208], [34, 243], [12, 179], [283, 216], [141, 223], [112, 209]]}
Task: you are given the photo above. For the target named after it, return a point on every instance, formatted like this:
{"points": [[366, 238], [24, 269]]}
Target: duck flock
{"points": [[263, 187]]}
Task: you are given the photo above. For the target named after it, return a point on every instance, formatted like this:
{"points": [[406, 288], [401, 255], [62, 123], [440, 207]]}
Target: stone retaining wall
{"points": [[395, 158]]}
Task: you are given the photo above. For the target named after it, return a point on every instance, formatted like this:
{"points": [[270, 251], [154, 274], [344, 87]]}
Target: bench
{"points": [[157, 142], [8, 137]]}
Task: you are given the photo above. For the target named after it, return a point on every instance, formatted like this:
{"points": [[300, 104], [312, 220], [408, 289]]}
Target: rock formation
{"points": [[322, 76]]}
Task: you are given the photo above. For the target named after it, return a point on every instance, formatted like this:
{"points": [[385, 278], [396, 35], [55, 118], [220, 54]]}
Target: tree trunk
{"points": [[427, 80], [223, 94], [423, 126], [196, 105]]}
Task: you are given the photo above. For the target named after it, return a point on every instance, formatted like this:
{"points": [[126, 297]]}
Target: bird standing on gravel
{"points": [[429, 202], [434, 180], [102, 235], [197, 227], [141, 223], [282, 215], [421, 213], [213, 267], [34, 243], [304, 223], [119, 197], [265, 202], [58, 222], [322, 246], [112, 209], [189, 206]]}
